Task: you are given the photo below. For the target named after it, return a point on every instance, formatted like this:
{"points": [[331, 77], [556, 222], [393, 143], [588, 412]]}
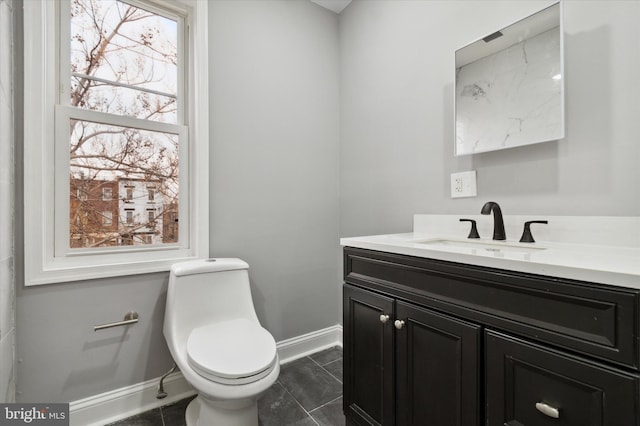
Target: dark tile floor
{"points": [[308, 392]]}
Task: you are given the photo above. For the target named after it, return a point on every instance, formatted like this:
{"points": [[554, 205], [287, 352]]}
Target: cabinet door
{"points": [[534, 386], [368, 357], [437, 367]]}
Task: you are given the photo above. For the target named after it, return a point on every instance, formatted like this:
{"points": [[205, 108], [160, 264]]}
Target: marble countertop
{"points": [[617, 265]]}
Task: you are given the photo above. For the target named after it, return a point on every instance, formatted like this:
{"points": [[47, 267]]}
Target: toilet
{"points": [[216, 340]]}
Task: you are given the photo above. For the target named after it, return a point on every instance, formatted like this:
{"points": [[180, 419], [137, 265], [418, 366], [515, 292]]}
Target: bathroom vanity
{"points": [[447, 336]]}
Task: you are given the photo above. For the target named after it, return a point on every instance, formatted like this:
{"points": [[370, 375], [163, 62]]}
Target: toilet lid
{"points": [[233, 352]]}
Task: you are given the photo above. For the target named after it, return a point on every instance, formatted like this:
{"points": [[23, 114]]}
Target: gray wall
{"points": [[397, 115], [274, 202], [7, 211], [61, 358], [316, 126], [274, 156]]}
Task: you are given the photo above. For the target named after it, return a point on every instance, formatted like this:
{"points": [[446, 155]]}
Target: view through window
{"points": [[123, 156]]}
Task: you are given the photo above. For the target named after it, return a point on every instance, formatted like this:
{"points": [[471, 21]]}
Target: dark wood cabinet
{"points": [[369, 391], [437, 368], [532, 385], [429, 342], [406, 365]]}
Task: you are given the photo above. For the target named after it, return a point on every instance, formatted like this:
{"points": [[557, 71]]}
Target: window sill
{"points": [[61, 271]]}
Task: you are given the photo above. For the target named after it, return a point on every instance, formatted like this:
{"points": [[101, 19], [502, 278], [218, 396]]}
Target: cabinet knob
{"points": [[399, 324], [548, 410], [384, 318]]}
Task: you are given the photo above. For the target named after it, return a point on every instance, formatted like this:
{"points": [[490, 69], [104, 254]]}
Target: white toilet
{"points": [[216, 340]]}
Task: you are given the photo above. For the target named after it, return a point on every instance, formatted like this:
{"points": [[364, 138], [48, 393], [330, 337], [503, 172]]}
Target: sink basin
{"points": [[480, 246]]}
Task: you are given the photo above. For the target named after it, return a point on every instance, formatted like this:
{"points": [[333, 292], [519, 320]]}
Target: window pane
{"points": [[126, 163], [107, 194], [107, 218], [123, 60]]}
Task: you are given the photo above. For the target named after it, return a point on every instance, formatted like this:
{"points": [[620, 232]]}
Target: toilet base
{"points": [[222, 413]]}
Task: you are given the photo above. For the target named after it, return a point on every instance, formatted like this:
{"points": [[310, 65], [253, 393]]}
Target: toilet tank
{"points": [[202, 292]]}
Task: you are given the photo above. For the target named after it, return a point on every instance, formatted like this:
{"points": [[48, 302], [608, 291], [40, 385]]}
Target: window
{"points": [[122, 109], [129, 117], [107, 219], [107, 194]]}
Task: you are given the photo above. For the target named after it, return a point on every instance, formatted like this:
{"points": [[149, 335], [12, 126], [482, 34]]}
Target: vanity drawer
{"points": [[585, 317], [529, 385]]}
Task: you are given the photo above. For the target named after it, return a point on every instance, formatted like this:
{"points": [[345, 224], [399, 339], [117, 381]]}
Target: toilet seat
{"points": [[233, 352]]}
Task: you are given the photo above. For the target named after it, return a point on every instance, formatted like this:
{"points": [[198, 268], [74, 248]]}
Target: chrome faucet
{"points": [[498, 222]]}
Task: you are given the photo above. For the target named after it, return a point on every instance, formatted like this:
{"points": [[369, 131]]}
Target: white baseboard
{"points": [[119, 404], [301, 346]]}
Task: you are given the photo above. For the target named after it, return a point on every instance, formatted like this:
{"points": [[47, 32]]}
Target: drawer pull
{"points": [[548, 410], [399, 324], [384, 318]]}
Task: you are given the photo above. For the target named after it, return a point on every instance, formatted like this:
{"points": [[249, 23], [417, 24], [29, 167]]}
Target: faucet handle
{"points": [[474, 230], [526, 233]]}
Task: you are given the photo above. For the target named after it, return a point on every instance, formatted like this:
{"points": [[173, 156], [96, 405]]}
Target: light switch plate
{"points": [[463, 184]]}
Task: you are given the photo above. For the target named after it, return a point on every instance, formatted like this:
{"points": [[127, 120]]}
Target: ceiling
{"points": [[334, 5]]}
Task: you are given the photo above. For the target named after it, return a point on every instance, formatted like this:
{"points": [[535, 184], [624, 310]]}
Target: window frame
{"points": [[46, 173]]}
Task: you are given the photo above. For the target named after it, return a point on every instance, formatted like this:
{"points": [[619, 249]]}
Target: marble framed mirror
{"points": [[509, 86]]}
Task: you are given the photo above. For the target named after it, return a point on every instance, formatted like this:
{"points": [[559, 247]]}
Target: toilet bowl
{"points": [[216, 339]]}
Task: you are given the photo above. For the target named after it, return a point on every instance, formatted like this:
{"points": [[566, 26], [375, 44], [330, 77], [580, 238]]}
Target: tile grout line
{"points": [[333, 375], [337, 359], [322, 365], [337, 380], [299, 404], [328, 372], [325, 404]]}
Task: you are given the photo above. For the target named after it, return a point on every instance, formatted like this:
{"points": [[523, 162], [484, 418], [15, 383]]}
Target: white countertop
{"points": [[617, 265]]}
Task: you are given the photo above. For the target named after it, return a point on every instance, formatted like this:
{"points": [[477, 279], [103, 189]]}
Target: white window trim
{"points": [[42, 266]]}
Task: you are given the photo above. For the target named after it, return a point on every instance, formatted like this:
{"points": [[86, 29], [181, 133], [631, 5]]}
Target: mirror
{"points": [[509, 86]]}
